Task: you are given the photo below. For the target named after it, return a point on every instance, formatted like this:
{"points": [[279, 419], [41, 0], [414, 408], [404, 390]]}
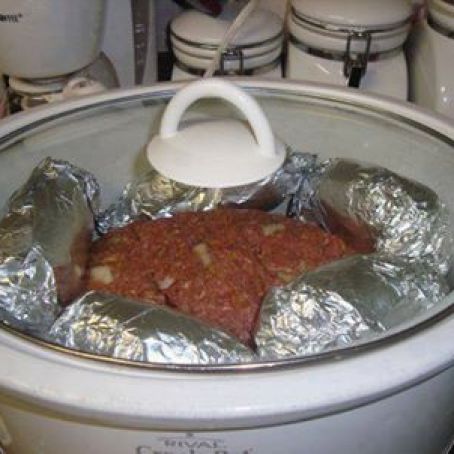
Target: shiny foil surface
{"points": [[28, 294], [45, 234], [375, 206], [343, 302], [48, 225], [155, 196], [116, 327]]}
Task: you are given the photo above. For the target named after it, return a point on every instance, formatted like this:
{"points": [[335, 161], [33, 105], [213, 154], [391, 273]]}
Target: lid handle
{"points": [[219, 88]]}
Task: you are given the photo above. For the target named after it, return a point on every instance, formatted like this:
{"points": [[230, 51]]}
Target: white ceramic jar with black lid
{"points": [[256, 50], [356, 43]]}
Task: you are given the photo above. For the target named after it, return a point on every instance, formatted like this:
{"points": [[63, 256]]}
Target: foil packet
{"points": [[45, 234], [374, 208], [112, 326], [155, 196], [343, 302]]}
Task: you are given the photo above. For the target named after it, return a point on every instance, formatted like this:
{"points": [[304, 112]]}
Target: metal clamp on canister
{"points": [[255, 50], [356, 67], [232, 54]]}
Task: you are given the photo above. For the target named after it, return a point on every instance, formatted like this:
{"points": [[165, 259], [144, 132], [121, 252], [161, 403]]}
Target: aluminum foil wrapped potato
{"points": [[373, 207], [342, 302], [156, 196], [45, 235], [113, 326], [28, 294]]}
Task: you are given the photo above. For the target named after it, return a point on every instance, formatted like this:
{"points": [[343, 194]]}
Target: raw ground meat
{"points": [[216, 266], [116, 267]]}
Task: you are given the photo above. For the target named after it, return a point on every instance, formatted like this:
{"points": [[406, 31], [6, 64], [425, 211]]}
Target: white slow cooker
{"points": [[394, 394]]}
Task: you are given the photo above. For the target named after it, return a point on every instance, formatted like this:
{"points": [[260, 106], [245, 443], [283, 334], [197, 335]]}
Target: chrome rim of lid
{"points": [[240, 70]]}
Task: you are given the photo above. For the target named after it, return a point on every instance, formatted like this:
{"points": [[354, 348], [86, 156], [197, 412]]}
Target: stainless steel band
{"points": [[240, 72], [343, 29], [340, 56], [229, 53], [213, 47]]}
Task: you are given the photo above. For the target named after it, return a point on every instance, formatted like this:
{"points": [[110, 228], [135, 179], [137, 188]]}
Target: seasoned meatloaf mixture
{"points": [[116, 266], [216, 266]]}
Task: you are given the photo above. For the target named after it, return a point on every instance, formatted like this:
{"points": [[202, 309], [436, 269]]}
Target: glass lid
{"points": [[107, 135]]}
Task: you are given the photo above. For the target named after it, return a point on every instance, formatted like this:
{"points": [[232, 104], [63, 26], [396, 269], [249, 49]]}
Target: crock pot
{"points": [[392, 394]]}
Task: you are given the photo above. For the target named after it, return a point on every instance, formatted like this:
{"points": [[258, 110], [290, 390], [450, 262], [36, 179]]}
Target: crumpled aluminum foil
{"points": [[155, 196], [372, 205], [112, 326], [28, 294], [45, 234], [342, 302]]}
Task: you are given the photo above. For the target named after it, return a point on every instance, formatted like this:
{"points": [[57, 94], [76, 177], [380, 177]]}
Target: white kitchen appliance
{"points": [[129, 40], [49, 38], [46, 44], [355, 43], [255, 50], [393, 394], [430, 59]]}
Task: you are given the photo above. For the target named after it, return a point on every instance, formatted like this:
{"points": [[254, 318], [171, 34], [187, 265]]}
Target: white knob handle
{"points": [[219, 88]]}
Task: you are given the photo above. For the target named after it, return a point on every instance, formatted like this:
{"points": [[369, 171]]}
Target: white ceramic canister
{"points": [[356, 43], [430, 59], [256, 50], [49, 38]]}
